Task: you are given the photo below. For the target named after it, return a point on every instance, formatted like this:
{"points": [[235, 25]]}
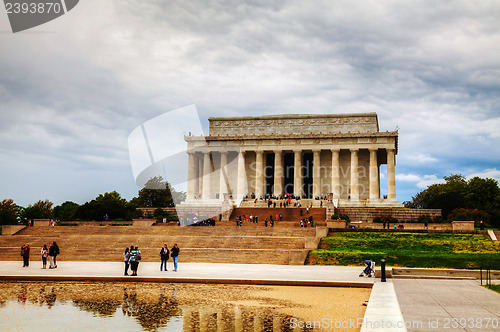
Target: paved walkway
{"points": [[396, 305], [194, 272]]}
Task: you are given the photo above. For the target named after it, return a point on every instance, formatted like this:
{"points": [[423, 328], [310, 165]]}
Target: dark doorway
{"points": [[307, 175], [288, 170], [269, 173]]}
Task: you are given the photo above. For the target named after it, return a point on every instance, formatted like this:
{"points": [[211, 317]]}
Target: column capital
{"points": [[335, 150], [278, 151], [354, 149], [372, 149], [297, 151], [316, 150]]}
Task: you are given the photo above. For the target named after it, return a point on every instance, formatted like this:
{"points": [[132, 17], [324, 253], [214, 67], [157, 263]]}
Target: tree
{"points": [[8, 212], [158, 193], [110, 204], [66, 211], [477, 194], [39, 210]]}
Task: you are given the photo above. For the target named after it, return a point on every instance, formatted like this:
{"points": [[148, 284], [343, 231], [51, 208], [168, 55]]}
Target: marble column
{"points": [[316, 173], [278, 173], [391, 175], [200, 177], [259, 174], [207, 169], [192, 178], [354, 175], [335, 174], [297, 174], [223, 172], [373, 171], [242, 177]]}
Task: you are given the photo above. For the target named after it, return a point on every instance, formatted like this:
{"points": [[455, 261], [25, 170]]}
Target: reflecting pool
{"points": [[80, 306]]}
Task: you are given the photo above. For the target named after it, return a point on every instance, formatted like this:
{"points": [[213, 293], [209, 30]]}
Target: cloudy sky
{"points": [[72, 90]]}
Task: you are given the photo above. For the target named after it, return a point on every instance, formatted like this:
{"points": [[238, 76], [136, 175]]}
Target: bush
{"points": [[424, 218], [468, 215], [342, 217]]}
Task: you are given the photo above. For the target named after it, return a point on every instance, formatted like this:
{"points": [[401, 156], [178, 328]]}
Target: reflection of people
{"points": [[41, 296], [23, 296], [174, 252], [50, 298], [164, 255], [125, 304]]}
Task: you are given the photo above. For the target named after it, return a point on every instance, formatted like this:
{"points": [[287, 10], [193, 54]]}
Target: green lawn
{"points": [[460, 251], [495, 288]]}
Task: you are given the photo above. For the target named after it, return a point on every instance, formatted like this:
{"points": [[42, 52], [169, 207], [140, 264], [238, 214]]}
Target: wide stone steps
{"points": [[289, 214], [198, 244], [194, 255]]}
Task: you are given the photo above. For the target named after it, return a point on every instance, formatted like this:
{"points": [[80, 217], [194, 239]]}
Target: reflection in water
{"points": [[162, 307]]}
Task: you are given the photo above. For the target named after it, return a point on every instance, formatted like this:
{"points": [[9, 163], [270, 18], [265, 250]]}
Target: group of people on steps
{"points": [[132, 257]]}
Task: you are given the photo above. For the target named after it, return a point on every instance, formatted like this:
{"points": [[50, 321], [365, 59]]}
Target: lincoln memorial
{"points": [[334, 156]]}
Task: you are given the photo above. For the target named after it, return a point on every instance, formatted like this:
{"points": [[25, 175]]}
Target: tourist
{"points": [[165, 255], [265, 222], [25, 252], [126, 259], [135, 257], [52, 250], [56, 252], [174, 252], [281, 217], [45, 253], [481, 226], [301, 222], [301, 212]]}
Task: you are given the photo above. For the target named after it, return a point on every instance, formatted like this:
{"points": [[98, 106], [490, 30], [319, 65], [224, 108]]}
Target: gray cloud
{"points": [[70, 97]]}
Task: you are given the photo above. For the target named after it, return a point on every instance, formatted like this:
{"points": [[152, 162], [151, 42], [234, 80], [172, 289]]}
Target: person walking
{"points": [[165, 255], [126, 259], [174, 252], [25, 252], [56, 252], [45, 253], [52, 250]]}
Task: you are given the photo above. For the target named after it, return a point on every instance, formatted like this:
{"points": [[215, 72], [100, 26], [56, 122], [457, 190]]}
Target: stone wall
{"points": [[367, 214], [290, 124]]}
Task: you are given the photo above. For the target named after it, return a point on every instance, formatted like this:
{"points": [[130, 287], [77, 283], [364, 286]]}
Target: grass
{"points": [[433, 250], [495, 288]]}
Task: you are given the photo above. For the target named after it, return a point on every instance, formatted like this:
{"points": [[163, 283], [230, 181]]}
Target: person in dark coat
{"points": [[56, 252], [165, 255], [174, 252], [52, 253], [25, 252]]}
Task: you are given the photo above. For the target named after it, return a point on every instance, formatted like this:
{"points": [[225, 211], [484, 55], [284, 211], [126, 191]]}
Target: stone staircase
{"points": [[259, 245], [291, 216]]}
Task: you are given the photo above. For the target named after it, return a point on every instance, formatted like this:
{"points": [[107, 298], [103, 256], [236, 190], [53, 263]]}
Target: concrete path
{"points": [[262, 274], [447, 305]]}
